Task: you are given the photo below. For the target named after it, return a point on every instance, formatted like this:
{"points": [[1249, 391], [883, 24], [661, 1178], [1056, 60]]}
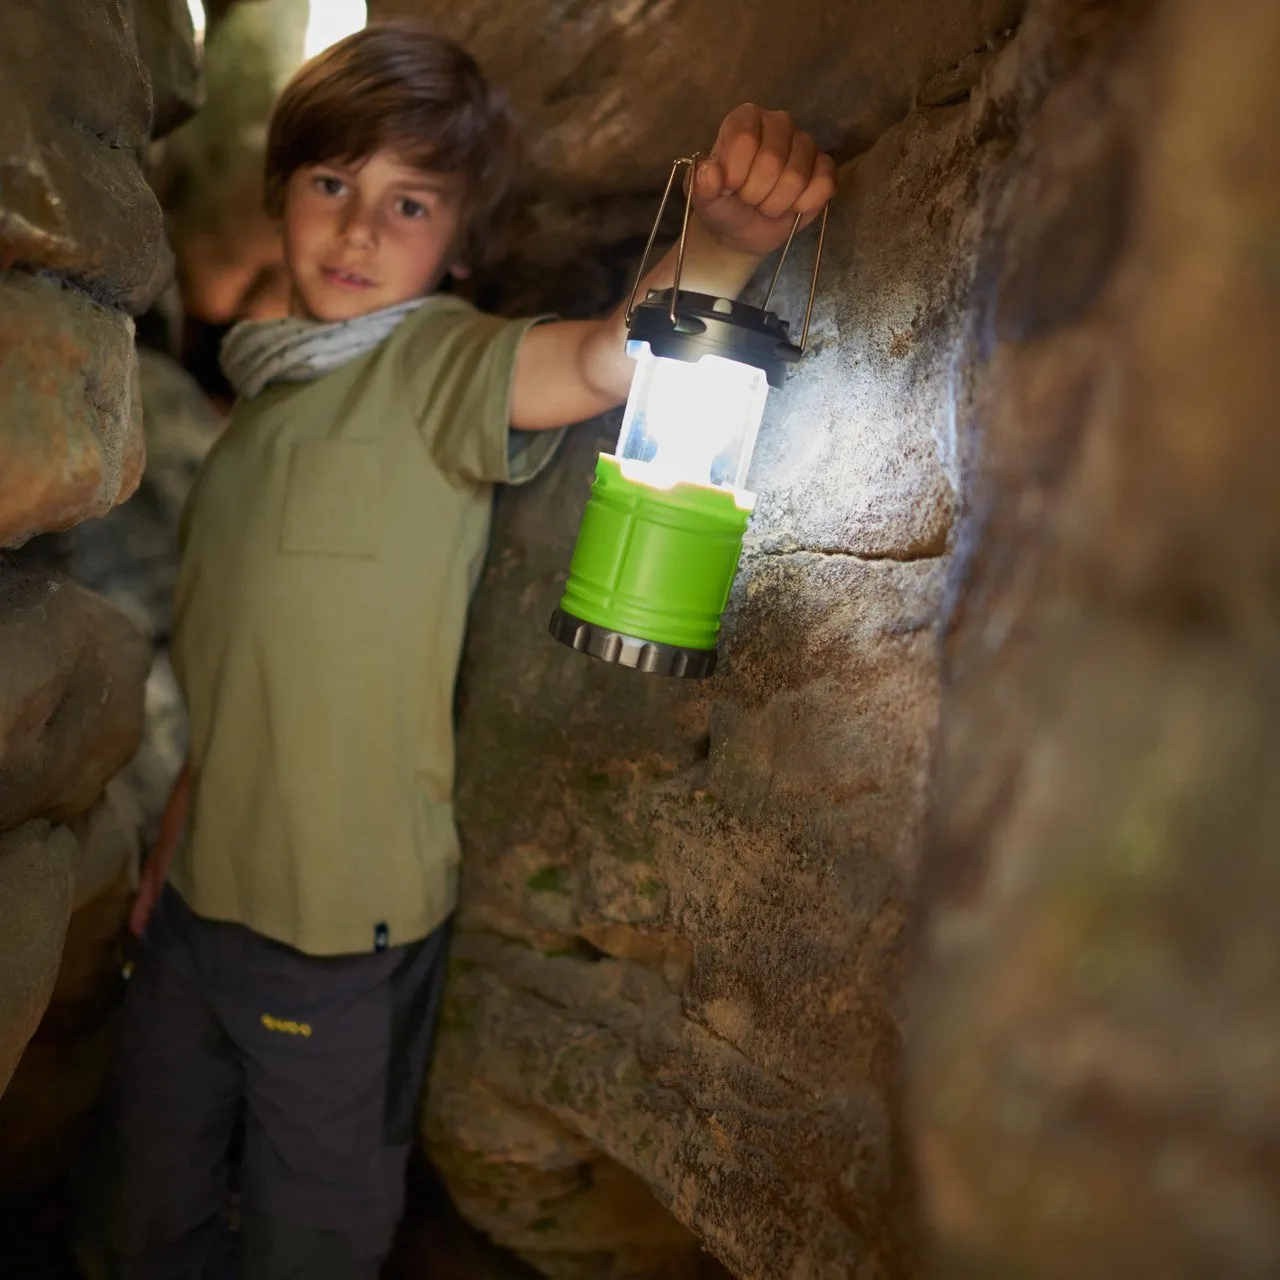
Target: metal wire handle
{"points": [[692, 163]]}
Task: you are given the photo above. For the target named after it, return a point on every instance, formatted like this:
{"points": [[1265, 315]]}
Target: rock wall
{"points": [[681, 936], [613, 92], [683, 905], [1021, 488], [950, 902], [208, 173], [610, 93], [1096, 1061], [81, 251]]}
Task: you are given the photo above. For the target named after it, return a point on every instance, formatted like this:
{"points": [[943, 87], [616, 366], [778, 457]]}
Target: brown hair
{"points": [[398, 87]]}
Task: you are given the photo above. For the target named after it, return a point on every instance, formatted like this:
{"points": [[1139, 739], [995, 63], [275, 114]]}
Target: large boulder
{"points": [[683, 905], [71, 445], [63, 1067], [37, 881], [166, 44], [130, 557], [611, 93], [77, 117], [72, 674], [209, 172], [1096, 1051], [1039, 409], [85, 87]]}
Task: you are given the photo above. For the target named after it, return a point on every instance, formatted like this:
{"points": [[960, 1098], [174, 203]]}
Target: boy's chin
{"points": [[322, 305], [326, 311]]}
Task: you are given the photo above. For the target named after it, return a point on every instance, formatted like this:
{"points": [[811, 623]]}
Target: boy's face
{"points": [[363, 236]]}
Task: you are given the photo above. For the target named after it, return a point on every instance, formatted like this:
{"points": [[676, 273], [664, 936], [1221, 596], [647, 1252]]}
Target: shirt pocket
{"points": [[332, 499]]}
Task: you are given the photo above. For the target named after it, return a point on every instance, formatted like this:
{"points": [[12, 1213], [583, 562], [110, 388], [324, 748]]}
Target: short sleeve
{"points": [[459, 364]]}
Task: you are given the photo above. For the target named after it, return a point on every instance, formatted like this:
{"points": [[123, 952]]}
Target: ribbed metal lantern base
{"points": [[631, 651]]}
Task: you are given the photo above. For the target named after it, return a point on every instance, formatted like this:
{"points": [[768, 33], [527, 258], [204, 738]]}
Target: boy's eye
{"points": [[412, 208], [329, 185]]}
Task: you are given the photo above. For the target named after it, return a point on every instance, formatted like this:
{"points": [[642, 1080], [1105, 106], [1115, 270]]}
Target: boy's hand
{"points": [[761, 172], [155, 870]]}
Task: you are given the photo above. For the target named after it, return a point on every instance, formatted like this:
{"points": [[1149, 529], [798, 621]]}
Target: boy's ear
{"points": [[459, 271]]}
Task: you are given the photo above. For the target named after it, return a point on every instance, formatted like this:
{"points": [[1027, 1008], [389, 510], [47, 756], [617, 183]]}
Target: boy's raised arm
{"points": [[762, 171]]}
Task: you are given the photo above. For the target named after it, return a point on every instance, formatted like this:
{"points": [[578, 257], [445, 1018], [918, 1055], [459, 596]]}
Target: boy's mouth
{"points": [[346, 279]]}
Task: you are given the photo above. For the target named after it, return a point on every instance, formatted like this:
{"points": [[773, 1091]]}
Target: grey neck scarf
{"points": [[257, 353]]}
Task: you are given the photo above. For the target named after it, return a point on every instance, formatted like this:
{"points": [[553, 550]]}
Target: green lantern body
{"points": [[656, 565], [660, 538]]}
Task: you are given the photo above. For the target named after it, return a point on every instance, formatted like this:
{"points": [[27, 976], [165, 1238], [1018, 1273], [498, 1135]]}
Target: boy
{"points": [[292, 966]]}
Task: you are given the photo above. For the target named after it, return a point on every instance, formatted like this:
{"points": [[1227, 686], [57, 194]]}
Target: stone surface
{"points": [[1039, 408], [1096, 1073], [166, 44], [612, 93], [536, 1185], [130, 557], [683, 904], [71, 442], [37, 870], [1041, 341], [81, 244], [74, 206], [61, 1072], [72, 673], [209, 173], [78, 109], [108, 844]]}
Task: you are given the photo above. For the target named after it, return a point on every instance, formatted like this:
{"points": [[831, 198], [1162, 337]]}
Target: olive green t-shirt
{"points": [[330, 546]]}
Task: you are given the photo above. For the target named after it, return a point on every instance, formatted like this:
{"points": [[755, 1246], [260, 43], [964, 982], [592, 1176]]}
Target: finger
{"points": [[737, 143], [793, 179], [708, 181], [822, 186], [776, 130]]}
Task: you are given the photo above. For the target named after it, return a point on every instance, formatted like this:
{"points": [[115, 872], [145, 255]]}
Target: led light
{"points": [[691, 423]]}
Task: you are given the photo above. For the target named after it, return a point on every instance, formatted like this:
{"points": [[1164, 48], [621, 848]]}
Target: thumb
{"points": [[708, 181]]}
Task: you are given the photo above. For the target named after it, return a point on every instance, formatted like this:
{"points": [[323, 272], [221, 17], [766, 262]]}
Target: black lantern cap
{"points": [[705, 325]]}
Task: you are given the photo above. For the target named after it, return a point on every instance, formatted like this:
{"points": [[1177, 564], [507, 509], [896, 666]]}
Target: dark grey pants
{"points": [[322, 1058]]}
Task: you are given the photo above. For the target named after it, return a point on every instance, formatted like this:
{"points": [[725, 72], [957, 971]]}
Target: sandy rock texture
{"points": [[59, 1077], [208, 173], [611, 93], [74, 709], [72, 443], [37, 879], [70, 695], [82, 249], [72, 673], [681, 936], [987, 756], [937, 934], [79, 113], [1096, 1054], [130, 557]]}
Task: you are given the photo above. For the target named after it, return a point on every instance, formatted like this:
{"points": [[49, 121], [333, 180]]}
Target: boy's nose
{"points": [[358, 227]]}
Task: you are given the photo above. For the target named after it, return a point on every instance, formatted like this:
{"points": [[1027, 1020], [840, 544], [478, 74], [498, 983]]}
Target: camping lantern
{"points": [[660, 538]]}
